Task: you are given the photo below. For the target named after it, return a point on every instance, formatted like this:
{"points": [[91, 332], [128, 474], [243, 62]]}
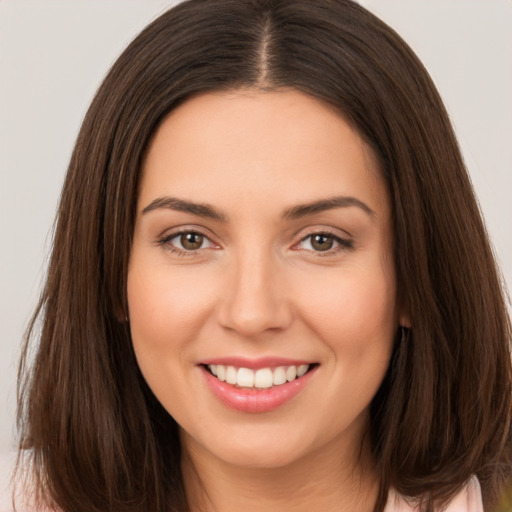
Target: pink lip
{"points": [[255, 364], [254, 400]]}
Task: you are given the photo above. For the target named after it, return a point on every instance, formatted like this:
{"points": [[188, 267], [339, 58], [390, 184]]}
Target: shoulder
{"points": [[469, 499]]}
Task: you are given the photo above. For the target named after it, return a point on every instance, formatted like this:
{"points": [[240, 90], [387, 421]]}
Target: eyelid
{"points": [[165, 238], [345, 240], [187, 228], [315, 228]]}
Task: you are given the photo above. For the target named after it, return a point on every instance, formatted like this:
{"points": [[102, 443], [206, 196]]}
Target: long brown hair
{"points": [[91, 431]]}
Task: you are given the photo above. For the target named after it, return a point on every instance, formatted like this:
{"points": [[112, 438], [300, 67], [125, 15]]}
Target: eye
{"points": [[324, 242], [186, 242]]}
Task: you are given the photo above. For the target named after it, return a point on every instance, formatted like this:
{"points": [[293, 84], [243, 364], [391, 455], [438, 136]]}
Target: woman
{"points": [[270, 285]]}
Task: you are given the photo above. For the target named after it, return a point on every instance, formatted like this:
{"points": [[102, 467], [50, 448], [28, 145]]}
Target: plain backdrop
{"points": [[53, 55]]}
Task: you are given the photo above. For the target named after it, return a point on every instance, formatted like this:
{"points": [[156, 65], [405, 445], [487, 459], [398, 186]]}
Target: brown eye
{"points": [[186, 243], [191, 241], [322, 242]]}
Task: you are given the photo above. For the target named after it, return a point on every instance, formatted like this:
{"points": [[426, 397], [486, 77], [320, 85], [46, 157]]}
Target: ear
{"points": [[404, 314], [121, 313], [404, 319], [121, 317]]}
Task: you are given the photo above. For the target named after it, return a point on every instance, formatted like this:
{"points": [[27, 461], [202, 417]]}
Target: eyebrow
{"points": [[302, 210], [180, 205], [292, 213]]}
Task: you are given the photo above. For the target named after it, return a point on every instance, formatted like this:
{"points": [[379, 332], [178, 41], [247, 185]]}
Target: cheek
{"points": [[167, 310], [354, 316], [355, 304]]}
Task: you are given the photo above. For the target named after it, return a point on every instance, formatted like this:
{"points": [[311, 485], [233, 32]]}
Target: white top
{"points": [[469, 499]]}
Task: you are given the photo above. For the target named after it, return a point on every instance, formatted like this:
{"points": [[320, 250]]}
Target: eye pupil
{"points": [[322, 242], [191, 241]]}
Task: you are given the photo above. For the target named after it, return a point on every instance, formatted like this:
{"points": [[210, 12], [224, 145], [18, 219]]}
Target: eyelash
{"points": [[343, 244], [166, 242]]}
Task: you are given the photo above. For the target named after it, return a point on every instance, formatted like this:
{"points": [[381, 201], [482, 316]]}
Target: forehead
{"points": [[284, 146]]}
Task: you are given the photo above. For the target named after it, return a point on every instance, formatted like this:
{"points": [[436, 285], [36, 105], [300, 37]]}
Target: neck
{"points": [[317, 482]]}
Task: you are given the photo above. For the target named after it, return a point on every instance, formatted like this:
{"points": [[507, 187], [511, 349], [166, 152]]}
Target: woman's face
{"points": [[262, 250]]}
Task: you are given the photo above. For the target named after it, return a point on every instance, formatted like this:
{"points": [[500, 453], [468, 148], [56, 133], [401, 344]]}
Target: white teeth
{"points": [[279, 376], [302, 369], [231, 375], [245, 378], [263, 378], [221, 372], [291, 373]]}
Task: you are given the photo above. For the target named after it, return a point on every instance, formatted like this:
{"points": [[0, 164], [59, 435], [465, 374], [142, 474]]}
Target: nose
{"points": [[255, 297]]}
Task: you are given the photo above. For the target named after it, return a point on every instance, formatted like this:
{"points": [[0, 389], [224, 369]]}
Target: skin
{"points": [[256, 287]]}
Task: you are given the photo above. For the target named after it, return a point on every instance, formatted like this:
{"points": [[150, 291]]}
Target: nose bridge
{"points": [[255, 299]]}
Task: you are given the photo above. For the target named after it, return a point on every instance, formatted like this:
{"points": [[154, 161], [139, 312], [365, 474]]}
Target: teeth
{"points": [[263, 378], [279, 376], [291, 373], [302, 369], [221, 372], [231, 376], [245, 378]]}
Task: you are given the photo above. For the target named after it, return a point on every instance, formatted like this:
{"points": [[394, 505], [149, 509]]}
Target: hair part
{"points": [[95, 436]]}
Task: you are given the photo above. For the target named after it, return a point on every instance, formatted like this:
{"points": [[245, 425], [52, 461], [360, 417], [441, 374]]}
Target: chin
{"points": [[262, 446], [270, 456]]}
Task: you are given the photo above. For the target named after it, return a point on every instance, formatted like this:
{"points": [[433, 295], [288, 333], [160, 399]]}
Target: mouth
{"points": [[259, 389], [262, 378]]}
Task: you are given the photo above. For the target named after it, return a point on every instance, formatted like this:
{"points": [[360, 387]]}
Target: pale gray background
{"points": [[53, 55]]}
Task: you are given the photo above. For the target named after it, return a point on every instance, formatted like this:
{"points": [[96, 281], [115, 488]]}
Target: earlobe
{"points": [[402, 309], [122, 318], [404, 320], [121, 312], [121, 315]]}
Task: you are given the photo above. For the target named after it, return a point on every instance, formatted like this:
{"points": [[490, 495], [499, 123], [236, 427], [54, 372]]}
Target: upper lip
{"points": [[255, 363]]}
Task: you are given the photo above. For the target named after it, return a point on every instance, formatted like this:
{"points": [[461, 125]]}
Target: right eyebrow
{"points": [[303, 210], [180, 205]]}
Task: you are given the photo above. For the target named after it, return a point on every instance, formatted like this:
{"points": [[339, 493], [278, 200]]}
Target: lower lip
{"points": [[256, 400]]}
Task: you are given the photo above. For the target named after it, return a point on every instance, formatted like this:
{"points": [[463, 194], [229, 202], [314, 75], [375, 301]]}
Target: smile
{"points": [[263, 378], [266, 386]]}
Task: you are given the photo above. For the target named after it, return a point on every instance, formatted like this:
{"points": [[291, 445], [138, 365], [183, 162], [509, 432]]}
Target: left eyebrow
{"points": [[180, 205], [302, 210]]}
